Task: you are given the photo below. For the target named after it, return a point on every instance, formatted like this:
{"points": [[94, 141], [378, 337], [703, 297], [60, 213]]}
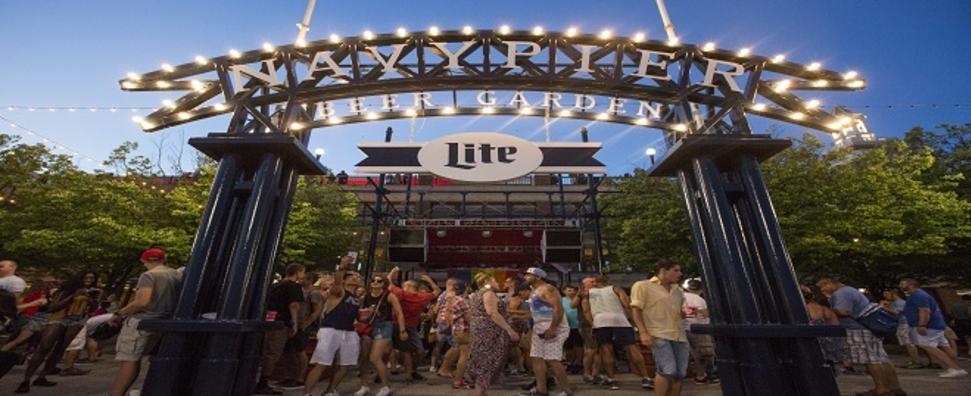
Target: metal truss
{"points": [[686, 105]]}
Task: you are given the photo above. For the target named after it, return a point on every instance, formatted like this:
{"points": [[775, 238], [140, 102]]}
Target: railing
{"points": [[429, 180]]}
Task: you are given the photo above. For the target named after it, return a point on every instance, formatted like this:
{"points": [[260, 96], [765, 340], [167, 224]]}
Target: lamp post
{"points": [[319, 153], [650, 153]]}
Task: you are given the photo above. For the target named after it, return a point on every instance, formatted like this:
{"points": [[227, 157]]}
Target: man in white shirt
{"points": [[695, 311], [9, 282], [610, 308]]}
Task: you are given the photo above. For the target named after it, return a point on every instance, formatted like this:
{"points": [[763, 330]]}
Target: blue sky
{"points": [[72, 53]]}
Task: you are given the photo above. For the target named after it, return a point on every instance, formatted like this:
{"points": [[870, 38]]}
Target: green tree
{"points": [[646, 222], [320, 225]]}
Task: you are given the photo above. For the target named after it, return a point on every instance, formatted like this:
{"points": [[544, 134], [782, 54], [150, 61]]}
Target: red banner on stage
{"points": [[473, 247]]}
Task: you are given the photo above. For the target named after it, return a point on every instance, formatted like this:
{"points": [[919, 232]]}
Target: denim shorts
{"points": [[381, 330], [670, 358]]}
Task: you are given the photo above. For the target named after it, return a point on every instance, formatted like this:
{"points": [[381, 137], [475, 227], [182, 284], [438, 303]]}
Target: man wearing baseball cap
{"points": [[550, 331], [156, 296]]}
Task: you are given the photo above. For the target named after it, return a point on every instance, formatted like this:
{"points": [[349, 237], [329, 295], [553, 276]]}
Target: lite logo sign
{"points": [[485, 150], [479, 157]]}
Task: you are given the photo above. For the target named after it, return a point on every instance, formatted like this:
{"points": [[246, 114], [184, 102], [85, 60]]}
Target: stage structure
{"points": [[699, 95]]}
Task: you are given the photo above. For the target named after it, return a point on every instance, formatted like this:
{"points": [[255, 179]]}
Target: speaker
{"points": [[406, 245], [563, 246]]}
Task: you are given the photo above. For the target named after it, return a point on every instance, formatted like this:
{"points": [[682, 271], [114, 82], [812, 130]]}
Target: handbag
{"points": [[878, 320], [365, 318]]}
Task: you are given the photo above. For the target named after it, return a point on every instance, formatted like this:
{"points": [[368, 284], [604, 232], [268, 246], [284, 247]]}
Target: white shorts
{"points": [[332, 343], [548, 348], [903, 334], [933, 339], [79, 340]]}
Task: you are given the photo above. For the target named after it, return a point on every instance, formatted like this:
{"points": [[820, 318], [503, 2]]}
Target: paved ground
{"points": [[915, 382]]}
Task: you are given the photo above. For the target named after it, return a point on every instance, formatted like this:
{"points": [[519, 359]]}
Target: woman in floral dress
{"points": [[489, 331]]}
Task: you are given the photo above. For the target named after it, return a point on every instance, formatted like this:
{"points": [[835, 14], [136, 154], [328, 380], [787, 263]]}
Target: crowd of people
{"points": [[475, 333]]}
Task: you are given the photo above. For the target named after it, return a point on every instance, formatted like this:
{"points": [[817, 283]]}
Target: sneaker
{"points": [[647, 383], [385, 391], [530, 386], [587, 379], [598, 380], [290, 385], [263, 389], [364, 391], [432, 369], [417, 377], [43, 381], [612, 384], [949, 373], [912, 365]]}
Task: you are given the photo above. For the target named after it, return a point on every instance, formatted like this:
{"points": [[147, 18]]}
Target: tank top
{"points": [[343, 315], [384, 311], [539, 309], [606, 308]]}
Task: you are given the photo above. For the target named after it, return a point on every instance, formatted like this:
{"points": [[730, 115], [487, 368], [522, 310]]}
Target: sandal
{"points": [[73, 371], [461, 385]]}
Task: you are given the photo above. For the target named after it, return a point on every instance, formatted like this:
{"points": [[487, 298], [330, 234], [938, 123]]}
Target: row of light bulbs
{"points": [[572, 31], [72, 109]]}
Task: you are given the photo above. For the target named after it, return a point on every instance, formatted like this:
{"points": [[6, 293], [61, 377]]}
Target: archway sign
{"points": [[700, 96]]}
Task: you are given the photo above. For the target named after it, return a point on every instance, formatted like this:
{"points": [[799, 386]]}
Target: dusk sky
{"points": [[915, 56]]}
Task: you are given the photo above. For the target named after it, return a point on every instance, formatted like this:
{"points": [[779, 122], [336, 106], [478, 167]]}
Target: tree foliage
{"points": [[56, 219], [867, 216]]}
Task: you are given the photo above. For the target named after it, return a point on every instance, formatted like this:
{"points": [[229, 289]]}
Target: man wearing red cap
{"points": [[156, 296]]}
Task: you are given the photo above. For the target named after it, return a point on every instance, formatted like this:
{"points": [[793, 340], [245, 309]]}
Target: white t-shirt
{"points": [[691, 308], [606, 308], [12, 284]]}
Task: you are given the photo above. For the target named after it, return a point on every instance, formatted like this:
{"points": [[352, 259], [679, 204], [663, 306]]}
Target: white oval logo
{"points": [[480, 157]]}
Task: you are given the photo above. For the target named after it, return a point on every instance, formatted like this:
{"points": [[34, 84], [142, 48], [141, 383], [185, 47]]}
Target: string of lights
{"points": [[44, 139], [137, 109], [74, 109]]}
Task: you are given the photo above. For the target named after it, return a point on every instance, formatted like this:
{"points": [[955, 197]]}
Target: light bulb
{"points": [[572, 31], [201, 60], [639, 37], [537, 31], [850, 75], [401, 32], [504, 29], [467, 30], [234, 53], [778, 58], [744, 52], [334, 38], [368, 35], [167, 68], [606, 34], [434, 31], [814, 66], [709, 46], [267, 47], [650, 151]]}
